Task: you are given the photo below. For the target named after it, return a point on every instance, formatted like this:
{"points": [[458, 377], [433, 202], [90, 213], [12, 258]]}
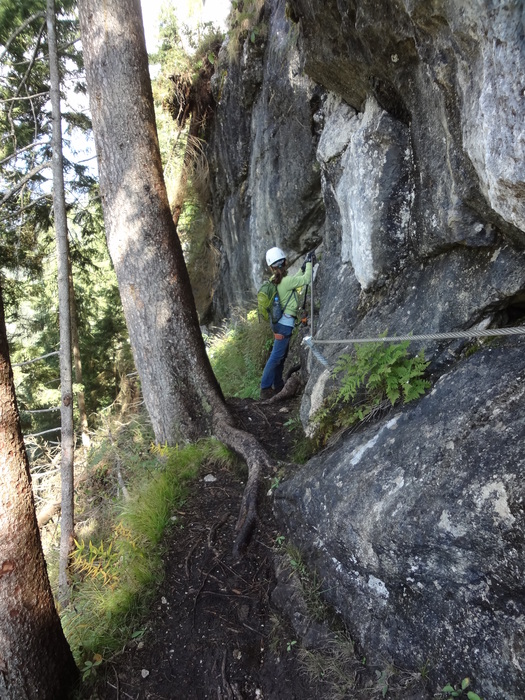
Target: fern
{"points": [[382, 371], [374, 376]]}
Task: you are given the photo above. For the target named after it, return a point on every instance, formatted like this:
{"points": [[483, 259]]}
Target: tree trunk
{"points": [[75, 341], [66, 384], [181, 393], [35, 659], [176, 376]]}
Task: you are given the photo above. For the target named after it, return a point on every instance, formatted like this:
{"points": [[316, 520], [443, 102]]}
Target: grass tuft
{"points": [[238, 355], [117, 573]]}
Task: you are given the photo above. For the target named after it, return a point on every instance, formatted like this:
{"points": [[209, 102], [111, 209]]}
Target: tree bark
{"points": [[176, 376], [181, 393], [66, 383], [77, 360], [35, 659]]}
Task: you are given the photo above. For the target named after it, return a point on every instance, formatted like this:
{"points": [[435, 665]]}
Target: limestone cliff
{"points": [[391, 135]]}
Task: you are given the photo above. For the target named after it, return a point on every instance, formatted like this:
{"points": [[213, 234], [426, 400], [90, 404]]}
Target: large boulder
{"points": [[416, 526], [448, 71]]}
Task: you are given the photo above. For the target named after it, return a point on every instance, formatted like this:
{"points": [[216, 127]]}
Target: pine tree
{"points": [[182, 395], [35, 659]]}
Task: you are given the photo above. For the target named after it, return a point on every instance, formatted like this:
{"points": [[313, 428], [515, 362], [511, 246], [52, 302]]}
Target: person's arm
{"points": [[299, 279]]}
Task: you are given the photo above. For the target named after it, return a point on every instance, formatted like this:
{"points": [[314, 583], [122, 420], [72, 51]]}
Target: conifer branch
{"points": [[24, 180], [20, 29]]}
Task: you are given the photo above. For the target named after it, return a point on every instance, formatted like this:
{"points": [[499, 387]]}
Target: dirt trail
{"points": [[214, 632]]}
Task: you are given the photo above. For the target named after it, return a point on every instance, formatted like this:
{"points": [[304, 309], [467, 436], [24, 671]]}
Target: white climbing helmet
{"points": [[275, 255]]}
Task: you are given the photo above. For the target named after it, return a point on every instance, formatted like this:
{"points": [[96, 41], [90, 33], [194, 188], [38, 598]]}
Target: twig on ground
{"points": [[187, 560], [213, 530], [200, 590]]}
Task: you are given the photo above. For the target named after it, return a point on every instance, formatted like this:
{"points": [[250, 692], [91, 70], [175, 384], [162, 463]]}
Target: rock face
{"points": [[391, 135], [417, 525], [265, 177]]}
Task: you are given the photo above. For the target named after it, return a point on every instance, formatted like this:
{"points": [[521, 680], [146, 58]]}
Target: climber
{"points": [[287, 287]]}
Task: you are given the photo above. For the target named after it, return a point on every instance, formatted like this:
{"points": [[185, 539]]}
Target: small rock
{"points": [[237, 653], [209, 478], [163, 601], [144, 673]]}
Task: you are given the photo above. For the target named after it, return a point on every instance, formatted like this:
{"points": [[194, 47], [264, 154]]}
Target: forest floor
{"points": [[225, 629]]}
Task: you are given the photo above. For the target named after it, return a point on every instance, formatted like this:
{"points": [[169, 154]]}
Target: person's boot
{"points": [[266, 393]]}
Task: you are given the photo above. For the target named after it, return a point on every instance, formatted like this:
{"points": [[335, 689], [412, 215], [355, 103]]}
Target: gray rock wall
{"points": [[393, 134], [417, 527], [265, 177]]}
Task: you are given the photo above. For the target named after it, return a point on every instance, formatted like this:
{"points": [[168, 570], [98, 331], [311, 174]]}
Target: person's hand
{"points": [[310, 257]]}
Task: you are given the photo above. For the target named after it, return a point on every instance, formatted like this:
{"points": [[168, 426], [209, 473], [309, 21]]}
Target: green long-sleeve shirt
{"points": [[289, 284]]}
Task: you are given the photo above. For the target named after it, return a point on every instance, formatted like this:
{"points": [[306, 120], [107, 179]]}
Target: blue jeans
{"points": [[273, 371]]}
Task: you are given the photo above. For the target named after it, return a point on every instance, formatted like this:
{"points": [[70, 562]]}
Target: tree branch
{"points": [[35, 359], [24, 180], [15, 154], [20, 29], [24, 97], [23, 82], [19, 212]]}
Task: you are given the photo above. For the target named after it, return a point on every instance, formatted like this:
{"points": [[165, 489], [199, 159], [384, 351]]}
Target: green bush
{"points": [[384, 372], [238, 355]]}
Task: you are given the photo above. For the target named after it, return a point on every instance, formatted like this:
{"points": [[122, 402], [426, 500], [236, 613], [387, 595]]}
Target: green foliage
{"points": [[90, 666], [238, 355], [375, 376], [32, 316], [245, 22], [183, 105], [117, 571], [304, 448], [27, 241], [384, 371], [461, 690], [310, 585], [96, 561], [25, 121], [181, 89]]}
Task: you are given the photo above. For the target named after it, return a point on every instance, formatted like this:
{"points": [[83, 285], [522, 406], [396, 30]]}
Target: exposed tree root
{"points": [[290, 389], [257, 459]]}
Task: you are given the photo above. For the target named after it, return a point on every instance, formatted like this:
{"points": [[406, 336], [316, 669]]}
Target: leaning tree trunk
{"points": [[176, 377], [35, 659], [66, 383], [181, 393]]}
